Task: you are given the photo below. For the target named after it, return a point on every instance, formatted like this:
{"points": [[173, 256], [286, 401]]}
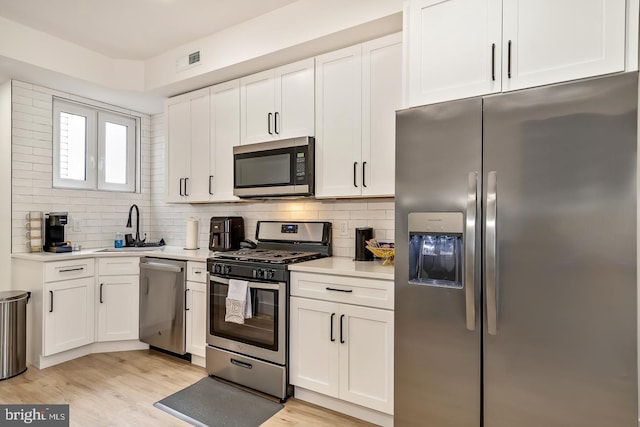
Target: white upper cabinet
{"points": [[358, 90], [278, 103], [187, 130], [225, 134], [381, 98], [202, 129], [547, 41], [453, 49], [462, 48], [338, 122]]}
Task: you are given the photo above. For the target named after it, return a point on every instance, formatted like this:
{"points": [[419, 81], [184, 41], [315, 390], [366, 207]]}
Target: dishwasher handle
{"points": [[162, 267]]}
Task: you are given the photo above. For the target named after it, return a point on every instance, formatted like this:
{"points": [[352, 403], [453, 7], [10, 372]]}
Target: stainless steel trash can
{"points": [[13, 333]]}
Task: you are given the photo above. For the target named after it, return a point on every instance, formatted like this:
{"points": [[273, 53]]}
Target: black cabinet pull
{"points": [[210, 178], [364, 165], [269, 123], [331, 323], [185, 300], [275, 123], [71, 269], [101, 285], [509, 59], [185, 186], [355, 166], [341, 340], [339, 290], [493, 62], [50, 301], [181, 193]]}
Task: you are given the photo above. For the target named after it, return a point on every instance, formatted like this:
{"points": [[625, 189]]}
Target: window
{"points": [[93, 148]]}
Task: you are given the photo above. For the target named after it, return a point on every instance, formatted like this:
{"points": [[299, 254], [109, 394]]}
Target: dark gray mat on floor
{"points": [[212, 403]]}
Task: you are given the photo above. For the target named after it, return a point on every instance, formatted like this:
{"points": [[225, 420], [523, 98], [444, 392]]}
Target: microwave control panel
{"points": [[301, 169]]}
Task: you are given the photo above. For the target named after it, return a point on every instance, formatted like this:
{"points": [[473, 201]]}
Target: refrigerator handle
{"points": [[470, 251], [491, 255]]}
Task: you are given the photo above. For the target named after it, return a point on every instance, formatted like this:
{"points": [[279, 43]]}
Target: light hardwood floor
{"points": [[119, 389]]}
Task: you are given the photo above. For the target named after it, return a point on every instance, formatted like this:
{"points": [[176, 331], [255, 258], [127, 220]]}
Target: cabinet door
{"points": [[314, 357], [294, 111], [381, 97], [553, 41], [68, 315], [197, 185], [453, 49], [366, 357], [257, 107], [178, 131], [225, 134], [338, 123], [117, 301], [196, 340]]}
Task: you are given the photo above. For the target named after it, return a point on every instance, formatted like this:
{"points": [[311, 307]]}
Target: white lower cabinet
{"points": [[196, 338], [68, 314], [117, 299], [342, 350]]}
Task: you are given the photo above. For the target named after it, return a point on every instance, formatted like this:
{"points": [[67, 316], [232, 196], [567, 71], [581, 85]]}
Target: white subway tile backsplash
{"points": [[101, 214], [32, 168]]}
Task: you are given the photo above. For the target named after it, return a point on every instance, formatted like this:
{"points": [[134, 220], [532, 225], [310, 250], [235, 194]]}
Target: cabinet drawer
{"points": [[197, 271], [118, 265], [69, 269], [350, 290]]}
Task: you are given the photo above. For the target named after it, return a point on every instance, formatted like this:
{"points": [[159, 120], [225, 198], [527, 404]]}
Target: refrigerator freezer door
{"points": [[437, 356], [564, 349]]}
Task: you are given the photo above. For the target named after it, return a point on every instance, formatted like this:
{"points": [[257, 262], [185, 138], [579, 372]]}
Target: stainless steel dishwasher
{"points": [[162, 303]]}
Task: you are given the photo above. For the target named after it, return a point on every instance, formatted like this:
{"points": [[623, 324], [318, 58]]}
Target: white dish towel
{"points": [[238, 302]]}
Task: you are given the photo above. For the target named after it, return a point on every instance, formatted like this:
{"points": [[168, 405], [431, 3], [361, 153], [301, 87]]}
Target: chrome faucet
{"points": [[136, 241]]}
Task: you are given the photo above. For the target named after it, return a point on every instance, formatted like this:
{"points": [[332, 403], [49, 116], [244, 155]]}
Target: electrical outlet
{"points": [[341, 228], [76, 225]]}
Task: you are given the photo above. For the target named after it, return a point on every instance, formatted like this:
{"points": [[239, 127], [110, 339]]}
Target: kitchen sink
{"points": [[131, 249]]}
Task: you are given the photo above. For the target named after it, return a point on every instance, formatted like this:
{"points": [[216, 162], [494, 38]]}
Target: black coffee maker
{"points": [[54, 241], [226, 233]]}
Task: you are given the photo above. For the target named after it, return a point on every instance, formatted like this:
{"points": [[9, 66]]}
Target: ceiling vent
{"points": [[188, 61]]}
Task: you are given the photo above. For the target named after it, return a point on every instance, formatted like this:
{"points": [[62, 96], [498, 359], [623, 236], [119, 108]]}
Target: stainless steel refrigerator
{"points": [[515, 268]]}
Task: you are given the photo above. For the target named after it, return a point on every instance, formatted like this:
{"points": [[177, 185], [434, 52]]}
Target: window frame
{"points": [[90, 154], [96, 118], [131, 125]]}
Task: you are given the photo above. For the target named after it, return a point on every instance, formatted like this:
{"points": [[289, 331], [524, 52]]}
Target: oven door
{"points": [[263, 336]]}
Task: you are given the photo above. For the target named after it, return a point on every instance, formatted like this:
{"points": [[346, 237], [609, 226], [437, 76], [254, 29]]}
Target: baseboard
{"points": [[96, 347], [343, 407], [198, 361]]}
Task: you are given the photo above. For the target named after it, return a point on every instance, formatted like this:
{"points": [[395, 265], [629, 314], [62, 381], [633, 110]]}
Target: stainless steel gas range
{"points": [[254, 352]]}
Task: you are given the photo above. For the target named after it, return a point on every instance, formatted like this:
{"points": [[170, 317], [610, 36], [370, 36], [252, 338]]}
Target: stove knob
{"points": [[259, 273], [227, 269], [270, 274], [217, 268]]}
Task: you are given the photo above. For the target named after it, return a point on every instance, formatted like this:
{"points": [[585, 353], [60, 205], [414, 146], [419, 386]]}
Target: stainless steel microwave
{"points": [[275, 168]]}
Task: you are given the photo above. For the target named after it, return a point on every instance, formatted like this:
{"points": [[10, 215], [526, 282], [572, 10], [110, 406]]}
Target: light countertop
{"points": [[343, 266], [167, 252]]}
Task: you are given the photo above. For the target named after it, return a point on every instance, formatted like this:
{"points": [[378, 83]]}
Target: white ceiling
{"points": [[133, 29]]}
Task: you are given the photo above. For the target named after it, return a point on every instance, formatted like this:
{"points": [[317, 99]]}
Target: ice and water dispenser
{"points": [[435, 249]]}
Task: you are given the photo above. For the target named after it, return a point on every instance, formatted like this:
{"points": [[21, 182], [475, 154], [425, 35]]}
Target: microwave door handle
{"points": [[470, 251], [491, 255]]}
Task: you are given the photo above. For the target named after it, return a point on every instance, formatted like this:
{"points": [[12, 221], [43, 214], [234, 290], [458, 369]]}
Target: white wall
{"points": [[100, 214], [5, 183], [299, 30], [169, 220]]}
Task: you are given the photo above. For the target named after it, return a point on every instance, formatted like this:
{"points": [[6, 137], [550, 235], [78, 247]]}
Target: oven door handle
{"points": [[252, 285]]}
